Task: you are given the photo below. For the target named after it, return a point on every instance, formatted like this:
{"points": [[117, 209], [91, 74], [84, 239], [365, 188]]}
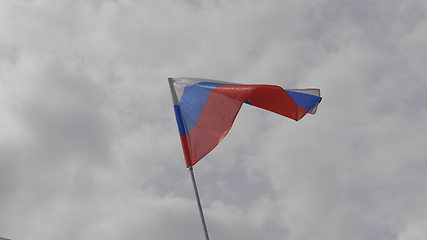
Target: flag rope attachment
{"points": [[199, 203]]}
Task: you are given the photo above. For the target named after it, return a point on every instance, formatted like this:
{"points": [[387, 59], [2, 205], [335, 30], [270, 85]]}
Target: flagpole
{"points": [[198, 202]]}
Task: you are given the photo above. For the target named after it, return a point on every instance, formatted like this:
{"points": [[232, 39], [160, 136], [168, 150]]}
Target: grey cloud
{"points": [[89, 147]]}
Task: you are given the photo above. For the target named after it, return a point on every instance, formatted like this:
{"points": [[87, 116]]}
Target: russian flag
{"points": [[205, 109]]}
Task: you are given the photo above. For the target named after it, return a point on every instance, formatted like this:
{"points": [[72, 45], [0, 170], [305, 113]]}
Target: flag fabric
{"points": [[205, 109]]}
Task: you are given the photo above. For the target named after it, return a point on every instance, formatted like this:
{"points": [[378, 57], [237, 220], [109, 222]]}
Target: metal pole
{"points": [[198, 202]]}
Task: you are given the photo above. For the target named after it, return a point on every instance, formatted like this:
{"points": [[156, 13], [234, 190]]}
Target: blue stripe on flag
{"points": [[181, 127], [304, 100], [193, 101]]}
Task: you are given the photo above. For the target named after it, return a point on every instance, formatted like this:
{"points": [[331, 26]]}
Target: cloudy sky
{"points": [[89, 147]]}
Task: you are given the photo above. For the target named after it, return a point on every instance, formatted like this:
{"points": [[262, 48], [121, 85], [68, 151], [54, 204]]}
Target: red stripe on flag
{"points": [[215, 121], [186, 149], [220, 111]]}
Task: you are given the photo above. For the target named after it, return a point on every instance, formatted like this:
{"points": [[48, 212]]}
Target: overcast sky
{"points": [[89, 147]]}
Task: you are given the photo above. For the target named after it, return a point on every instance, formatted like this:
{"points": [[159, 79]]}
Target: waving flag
{"points": [[205, 109]]}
